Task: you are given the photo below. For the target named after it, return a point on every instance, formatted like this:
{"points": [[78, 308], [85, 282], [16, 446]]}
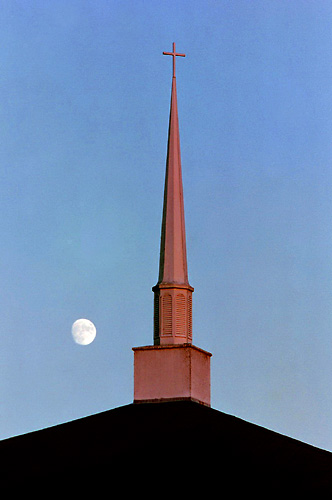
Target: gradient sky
{"points": [[85, 94]]}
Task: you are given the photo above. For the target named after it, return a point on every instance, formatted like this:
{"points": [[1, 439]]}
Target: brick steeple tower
{"points": [[172, 368], [172, 293]]}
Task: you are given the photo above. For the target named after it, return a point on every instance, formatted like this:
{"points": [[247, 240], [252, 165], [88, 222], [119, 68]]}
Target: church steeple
{"points": [[173, 368], [173, 294]]}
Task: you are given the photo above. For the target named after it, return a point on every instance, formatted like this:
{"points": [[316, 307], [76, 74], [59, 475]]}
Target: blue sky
{"points": [[85, 95]]}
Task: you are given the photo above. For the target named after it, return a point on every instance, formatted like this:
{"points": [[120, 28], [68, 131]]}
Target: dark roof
{"points": [[157, 445]]}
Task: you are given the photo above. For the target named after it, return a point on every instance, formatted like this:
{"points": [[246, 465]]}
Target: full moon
{"points": [[83, 331]]}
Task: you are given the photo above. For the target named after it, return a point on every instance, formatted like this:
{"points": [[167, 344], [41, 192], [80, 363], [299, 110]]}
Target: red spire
{"points": [[173, 255], [173, 293]]}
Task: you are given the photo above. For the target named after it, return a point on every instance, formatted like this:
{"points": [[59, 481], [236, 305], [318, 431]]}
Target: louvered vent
{"points": [[190, 320], [156, 316], [180, 315], [167, 314]]}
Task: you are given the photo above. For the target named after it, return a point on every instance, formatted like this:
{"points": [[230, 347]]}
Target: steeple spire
{"points": [[173, 294]]}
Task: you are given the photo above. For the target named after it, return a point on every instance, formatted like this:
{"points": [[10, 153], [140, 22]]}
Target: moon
{"points": [[83, 331]]}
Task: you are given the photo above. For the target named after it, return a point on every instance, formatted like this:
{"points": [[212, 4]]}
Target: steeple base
{"points": [[170, 373]]}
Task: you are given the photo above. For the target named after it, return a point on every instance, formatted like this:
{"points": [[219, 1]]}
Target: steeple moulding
{"points": [[172, 293]]}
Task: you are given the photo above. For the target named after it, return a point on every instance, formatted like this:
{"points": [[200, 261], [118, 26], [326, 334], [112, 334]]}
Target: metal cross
{"points": [[174, 54]]}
